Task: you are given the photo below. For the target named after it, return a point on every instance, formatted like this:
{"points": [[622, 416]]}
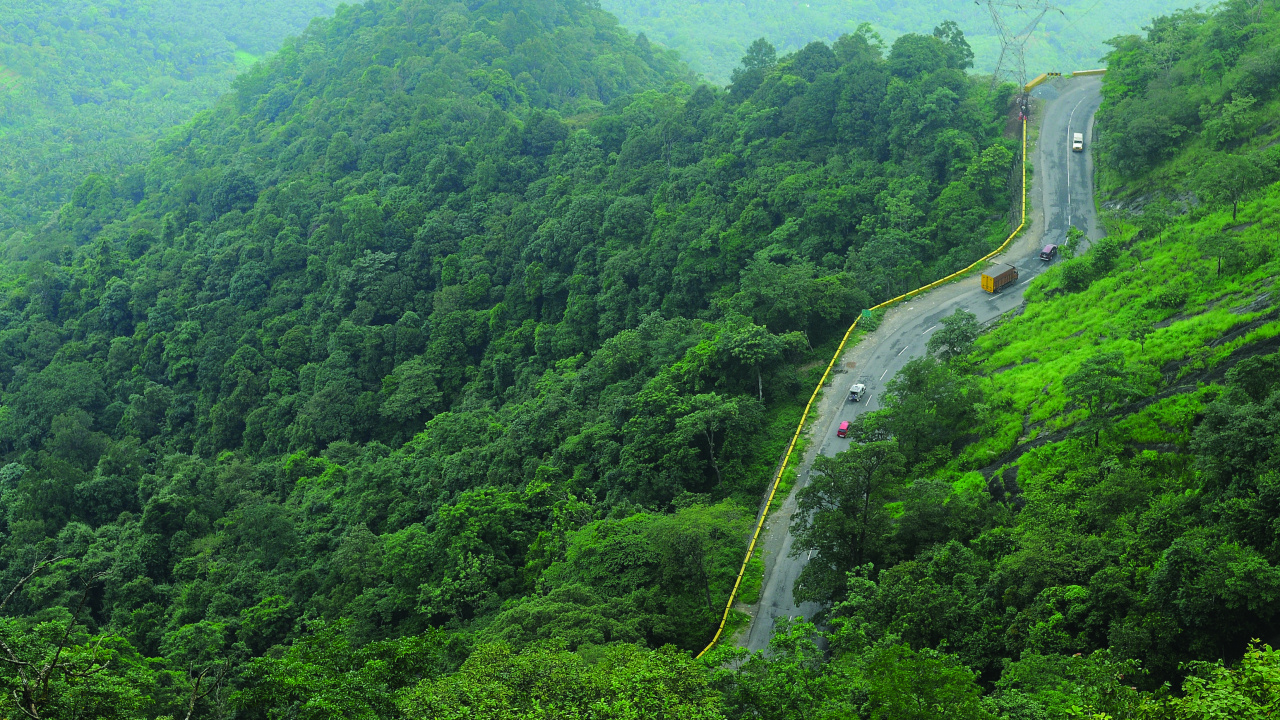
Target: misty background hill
{"points": [[87, 85], [712, 35]]}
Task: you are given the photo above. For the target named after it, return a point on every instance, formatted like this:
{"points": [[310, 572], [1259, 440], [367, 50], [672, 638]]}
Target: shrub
{"points": [[1103, 256], [1076, 275], [1169, 297]]}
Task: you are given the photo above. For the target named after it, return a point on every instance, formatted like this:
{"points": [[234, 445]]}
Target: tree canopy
{"points": [[455, 343], [713, 34]]}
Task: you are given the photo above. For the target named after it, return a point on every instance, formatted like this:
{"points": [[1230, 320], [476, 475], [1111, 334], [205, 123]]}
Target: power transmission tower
{"points": [[1013, 45]]}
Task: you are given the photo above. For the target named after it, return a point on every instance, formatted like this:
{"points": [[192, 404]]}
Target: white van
{"points": [[1077, 142]]}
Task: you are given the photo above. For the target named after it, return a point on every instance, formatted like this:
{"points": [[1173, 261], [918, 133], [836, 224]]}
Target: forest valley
{"points": [[438, 370]]}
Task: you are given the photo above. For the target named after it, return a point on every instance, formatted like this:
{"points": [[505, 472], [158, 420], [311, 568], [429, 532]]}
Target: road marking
{"points": [[904, 349], [926, 332], [886, 372], [1070, 139]]}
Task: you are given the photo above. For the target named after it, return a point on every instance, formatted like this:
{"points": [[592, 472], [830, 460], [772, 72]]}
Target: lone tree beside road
{"points": [[842, 515], [954, 340]]}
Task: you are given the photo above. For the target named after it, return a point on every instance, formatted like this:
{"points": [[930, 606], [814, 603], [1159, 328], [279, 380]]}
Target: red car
{"points": [[843, 430]]}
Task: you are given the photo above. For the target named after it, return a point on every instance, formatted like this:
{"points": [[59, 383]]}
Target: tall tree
{"points": [[842, 519], [1102, 384], [954, 340], [1227, 179]]}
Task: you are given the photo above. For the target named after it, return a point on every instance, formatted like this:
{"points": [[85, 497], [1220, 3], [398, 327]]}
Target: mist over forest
{"points": [[711, 35], [90, 85]]}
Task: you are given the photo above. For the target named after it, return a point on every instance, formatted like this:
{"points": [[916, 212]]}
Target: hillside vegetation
{"points": [[453, 347], [712, 34], [437, 372], [88, 86], [1191, 107], [1087, 516]]}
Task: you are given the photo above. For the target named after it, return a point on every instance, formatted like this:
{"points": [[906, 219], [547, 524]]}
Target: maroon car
{"points": [[1049, 252]]}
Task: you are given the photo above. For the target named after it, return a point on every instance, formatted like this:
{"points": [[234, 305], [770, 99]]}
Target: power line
{"points": [[1013, 44]]}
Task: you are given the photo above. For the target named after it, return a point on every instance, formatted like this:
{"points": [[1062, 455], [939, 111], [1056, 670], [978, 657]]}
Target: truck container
{"points": [[999, 277]]}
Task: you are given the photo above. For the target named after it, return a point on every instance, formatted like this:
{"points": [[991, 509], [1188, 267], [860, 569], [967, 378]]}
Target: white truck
{"points": [[1077, 142]]}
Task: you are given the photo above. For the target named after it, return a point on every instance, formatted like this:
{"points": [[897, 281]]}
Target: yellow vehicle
{"points": [[997, 279]]}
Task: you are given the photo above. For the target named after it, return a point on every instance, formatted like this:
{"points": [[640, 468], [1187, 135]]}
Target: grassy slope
{"points": [[245, 60], [1026, 357]]}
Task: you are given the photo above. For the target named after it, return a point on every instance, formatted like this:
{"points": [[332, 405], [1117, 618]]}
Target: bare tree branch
{"points": [[196, 695], [36, 568], [35, 677]]}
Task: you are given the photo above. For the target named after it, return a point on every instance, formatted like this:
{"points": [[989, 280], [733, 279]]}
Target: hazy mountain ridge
{"points": [[712, 34], [88, 86]]}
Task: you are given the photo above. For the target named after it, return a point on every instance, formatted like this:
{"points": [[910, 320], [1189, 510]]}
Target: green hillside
{"points": [[1192, 103], [438, 369], [88, 86], [453, 334], [712, 34], [1088, 518]]}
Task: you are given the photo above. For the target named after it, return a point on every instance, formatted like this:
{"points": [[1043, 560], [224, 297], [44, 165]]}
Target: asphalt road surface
{"points": [[1061, 195]]}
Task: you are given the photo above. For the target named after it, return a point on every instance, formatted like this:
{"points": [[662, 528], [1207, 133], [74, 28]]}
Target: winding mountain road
{"points": [[1061, 195]]}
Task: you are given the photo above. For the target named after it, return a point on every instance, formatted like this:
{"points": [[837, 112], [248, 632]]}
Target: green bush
{"points": [[1076, 274], [1168, 297]]}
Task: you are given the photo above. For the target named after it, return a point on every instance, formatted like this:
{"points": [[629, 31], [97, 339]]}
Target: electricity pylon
{"points": [[1013, 45]]}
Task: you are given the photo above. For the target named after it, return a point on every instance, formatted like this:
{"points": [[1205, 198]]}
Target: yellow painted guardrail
{"points": [[1035, 81], [1044, 77], [777, 478]]}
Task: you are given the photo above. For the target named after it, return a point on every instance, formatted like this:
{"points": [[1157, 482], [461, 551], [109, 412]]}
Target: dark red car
{"points": [[1049, 252], [843, 430]]}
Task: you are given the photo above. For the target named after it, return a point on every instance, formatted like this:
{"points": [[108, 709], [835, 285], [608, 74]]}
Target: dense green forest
{"points": [[712, 34], [437, 371], [88, 86], [455, 344]]}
